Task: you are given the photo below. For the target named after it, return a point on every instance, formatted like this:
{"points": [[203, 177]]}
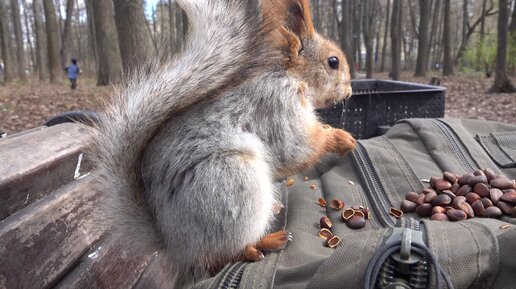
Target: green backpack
{"points": [[409, 252]]}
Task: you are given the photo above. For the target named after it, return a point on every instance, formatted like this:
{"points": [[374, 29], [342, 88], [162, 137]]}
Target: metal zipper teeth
{"points": [[377, 194], [459, 150], [232, 277]]}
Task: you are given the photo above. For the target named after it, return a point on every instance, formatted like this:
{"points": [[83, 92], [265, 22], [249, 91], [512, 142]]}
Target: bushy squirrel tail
{"points": [[224, 47]]}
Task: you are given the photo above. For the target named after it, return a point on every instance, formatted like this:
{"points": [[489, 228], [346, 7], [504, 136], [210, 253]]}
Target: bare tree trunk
{"points": [[512, 40], [502, 83], [92, 39], [20, 50], [423, 49], [358, 32], [385, 33], [345, 41], [447, 40], [483, 21], [5, 41], [172, 29], [465, 25], [79, 47], [184, 18], [41, 45], [28, 35], [110, 63], [369, 7], [179, 26], [434, 30], [396, 39], [67, 35], [52, 42], [378, 36], [134, 39]]}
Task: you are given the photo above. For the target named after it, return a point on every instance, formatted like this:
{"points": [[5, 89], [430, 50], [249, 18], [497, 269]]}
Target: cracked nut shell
{"points": [[325, 222], [333, 241]]}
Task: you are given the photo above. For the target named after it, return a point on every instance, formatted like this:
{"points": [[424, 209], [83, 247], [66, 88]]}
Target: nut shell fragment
{"points": [[397, 213], [325, 233], [325, 222], [290, 182], [337, 204], [333, 241], [347, 214], [322, 202]]}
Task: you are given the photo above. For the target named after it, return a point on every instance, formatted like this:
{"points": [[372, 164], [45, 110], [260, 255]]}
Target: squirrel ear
{"points": [[298, 18]]}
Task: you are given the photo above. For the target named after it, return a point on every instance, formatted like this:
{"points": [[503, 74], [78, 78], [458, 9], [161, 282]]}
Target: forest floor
{"points": [[28, 105]]}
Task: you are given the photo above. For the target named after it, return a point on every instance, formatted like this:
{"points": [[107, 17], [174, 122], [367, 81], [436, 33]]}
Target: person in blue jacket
{"points": [[72, 72]]}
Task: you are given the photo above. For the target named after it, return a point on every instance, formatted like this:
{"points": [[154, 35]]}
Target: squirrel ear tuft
{"points": [[298, 18]]}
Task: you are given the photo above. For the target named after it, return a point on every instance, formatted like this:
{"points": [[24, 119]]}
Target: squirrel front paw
{"points": [[344, 141]]}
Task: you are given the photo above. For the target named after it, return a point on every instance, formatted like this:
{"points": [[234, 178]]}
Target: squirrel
{"points": [[188, 151]]}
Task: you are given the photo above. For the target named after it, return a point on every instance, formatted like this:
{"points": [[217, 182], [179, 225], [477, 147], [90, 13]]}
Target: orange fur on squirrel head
{"points": [[307, 55]]}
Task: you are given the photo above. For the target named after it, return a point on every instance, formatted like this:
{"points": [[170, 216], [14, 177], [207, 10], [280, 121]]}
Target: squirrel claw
{"points": [[251, 253]]}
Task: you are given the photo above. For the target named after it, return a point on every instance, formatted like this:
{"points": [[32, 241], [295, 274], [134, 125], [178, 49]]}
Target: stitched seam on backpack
{"points": [[477, 277], [399, 157]]}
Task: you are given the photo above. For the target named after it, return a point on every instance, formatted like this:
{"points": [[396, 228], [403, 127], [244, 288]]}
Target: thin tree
{"points": [[368, 31], [385, 33], [179, 26], [172, 27], [108, 51], [512, 40], [344, 34], [396, 38], [92, 39], [357, 26], [133, 36], [5, 41], [434, 31], [423, 50], [184, 18], [447, 40], [502, 83], [41, 44], [28, 34], [66, 46], [18, 35], [52, 42]]}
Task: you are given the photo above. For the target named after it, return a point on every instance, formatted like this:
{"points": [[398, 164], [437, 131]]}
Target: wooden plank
{"points": [[157, 275], [35, 164], [41, 242], [110, 265]]}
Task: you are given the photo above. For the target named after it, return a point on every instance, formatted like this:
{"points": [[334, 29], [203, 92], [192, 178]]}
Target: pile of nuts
{"points": [[482, 193], [354, 217]]}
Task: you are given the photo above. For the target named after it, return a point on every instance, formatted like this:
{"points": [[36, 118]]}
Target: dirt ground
{"points": [[28, 105]]}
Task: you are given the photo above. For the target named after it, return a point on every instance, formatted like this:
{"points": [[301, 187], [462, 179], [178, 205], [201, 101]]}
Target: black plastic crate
{"points": [[377, 104]]}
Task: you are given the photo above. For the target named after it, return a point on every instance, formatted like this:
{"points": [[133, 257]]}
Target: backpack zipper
{"points": [[458, 148], [232, 277], [370, 179]]}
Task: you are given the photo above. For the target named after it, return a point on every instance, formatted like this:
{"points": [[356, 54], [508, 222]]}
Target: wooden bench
{"points": [[48, 237]]}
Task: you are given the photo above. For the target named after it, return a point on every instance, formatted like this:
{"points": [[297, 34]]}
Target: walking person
{"points": [[72, 72]]}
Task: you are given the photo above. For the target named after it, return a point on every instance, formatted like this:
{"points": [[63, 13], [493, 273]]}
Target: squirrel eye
{"points": [[333, 62]]}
